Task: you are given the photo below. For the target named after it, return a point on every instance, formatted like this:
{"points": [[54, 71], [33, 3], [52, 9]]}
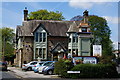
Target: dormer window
{"points": [[84, 29]]}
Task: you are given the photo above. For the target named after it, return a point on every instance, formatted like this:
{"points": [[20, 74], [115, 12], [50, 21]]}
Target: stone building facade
{"points": [[51, 40]]}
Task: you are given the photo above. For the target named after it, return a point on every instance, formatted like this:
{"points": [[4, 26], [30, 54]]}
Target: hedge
{"points": [[62, 66], [86, 70], [95, 71]]}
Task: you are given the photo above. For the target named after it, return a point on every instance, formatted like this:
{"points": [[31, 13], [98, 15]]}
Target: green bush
{"points": [[95, 71], [86, 70], [62, 66], [107, 60]]}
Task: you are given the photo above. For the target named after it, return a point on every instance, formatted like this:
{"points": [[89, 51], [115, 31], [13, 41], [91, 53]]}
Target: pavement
{"points": [[29, 74]]}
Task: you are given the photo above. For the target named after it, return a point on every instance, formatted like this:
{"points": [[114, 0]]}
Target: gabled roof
{"points": [[54, 28], [40, 25], [73, 27], [58, 48]]}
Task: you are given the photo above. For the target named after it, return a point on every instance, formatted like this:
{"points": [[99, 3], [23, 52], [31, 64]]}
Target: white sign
{"points": [[97, 50], [91, 60], [73, 71]]}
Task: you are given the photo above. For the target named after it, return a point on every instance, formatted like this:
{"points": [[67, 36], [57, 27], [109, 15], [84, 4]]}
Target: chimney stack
{"points": [[85, 15], [25, 14]]}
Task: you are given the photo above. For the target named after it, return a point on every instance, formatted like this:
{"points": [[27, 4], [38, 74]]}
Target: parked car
{"points": [[48, 69], [3, 66], [29, 65], [47, 63], [35, 67]]}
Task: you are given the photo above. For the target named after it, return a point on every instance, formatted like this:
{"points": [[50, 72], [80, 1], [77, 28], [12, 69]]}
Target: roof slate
{"points": [[54, 28], [73, 27]]}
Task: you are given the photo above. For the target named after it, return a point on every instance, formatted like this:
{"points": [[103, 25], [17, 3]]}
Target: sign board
{"points": [[84, 59], [91, 60], [73, 71], [97, 50], [77, 60]]}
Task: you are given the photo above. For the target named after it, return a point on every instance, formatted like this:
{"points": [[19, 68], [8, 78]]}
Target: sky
{"points": [[12, 12]]}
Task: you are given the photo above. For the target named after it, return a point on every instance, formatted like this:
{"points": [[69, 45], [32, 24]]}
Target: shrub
{"points": [[62, 66], [86, 70], [107, 60], [95, 71]]}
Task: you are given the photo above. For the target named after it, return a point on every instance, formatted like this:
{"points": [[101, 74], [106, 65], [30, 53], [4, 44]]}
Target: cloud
{"points": [[87, 4], [81, 4], [111, 19], [94, 0], [84, 5]]}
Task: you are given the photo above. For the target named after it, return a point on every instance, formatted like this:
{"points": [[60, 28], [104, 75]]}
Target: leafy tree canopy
{"points": [[101, 33], [7, 42], [7, 34], [45, 15]]}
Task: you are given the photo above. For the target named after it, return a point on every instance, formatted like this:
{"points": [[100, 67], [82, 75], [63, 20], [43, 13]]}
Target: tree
{"points": [[101, 32], [7, 42], [45, 15]]}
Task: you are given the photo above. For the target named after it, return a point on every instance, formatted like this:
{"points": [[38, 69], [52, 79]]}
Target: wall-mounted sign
{"points": [[91, 60], [97, 50], [77, 60], [84, 59]]}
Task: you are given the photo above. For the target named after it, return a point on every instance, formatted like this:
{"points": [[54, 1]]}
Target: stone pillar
{"points": [[20, 55], [71, 44]]}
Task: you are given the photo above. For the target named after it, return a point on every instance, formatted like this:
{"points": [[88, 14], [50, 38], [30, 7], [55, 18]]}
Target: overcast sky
{"points": [[12, 12]]}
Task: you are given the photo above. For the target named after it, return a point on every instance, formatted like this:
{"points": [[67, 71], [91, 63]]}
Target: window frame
{"points": [[36, 37], [84, 29]]}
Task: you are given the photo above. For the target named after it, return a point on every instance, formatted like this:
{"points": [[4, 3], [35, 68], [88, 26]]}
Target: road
{"points": [[7, 75]]}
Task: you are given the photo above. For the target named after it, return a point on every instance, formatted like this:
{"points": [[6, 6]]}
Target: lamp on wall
{"points": [[38, 59]]}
